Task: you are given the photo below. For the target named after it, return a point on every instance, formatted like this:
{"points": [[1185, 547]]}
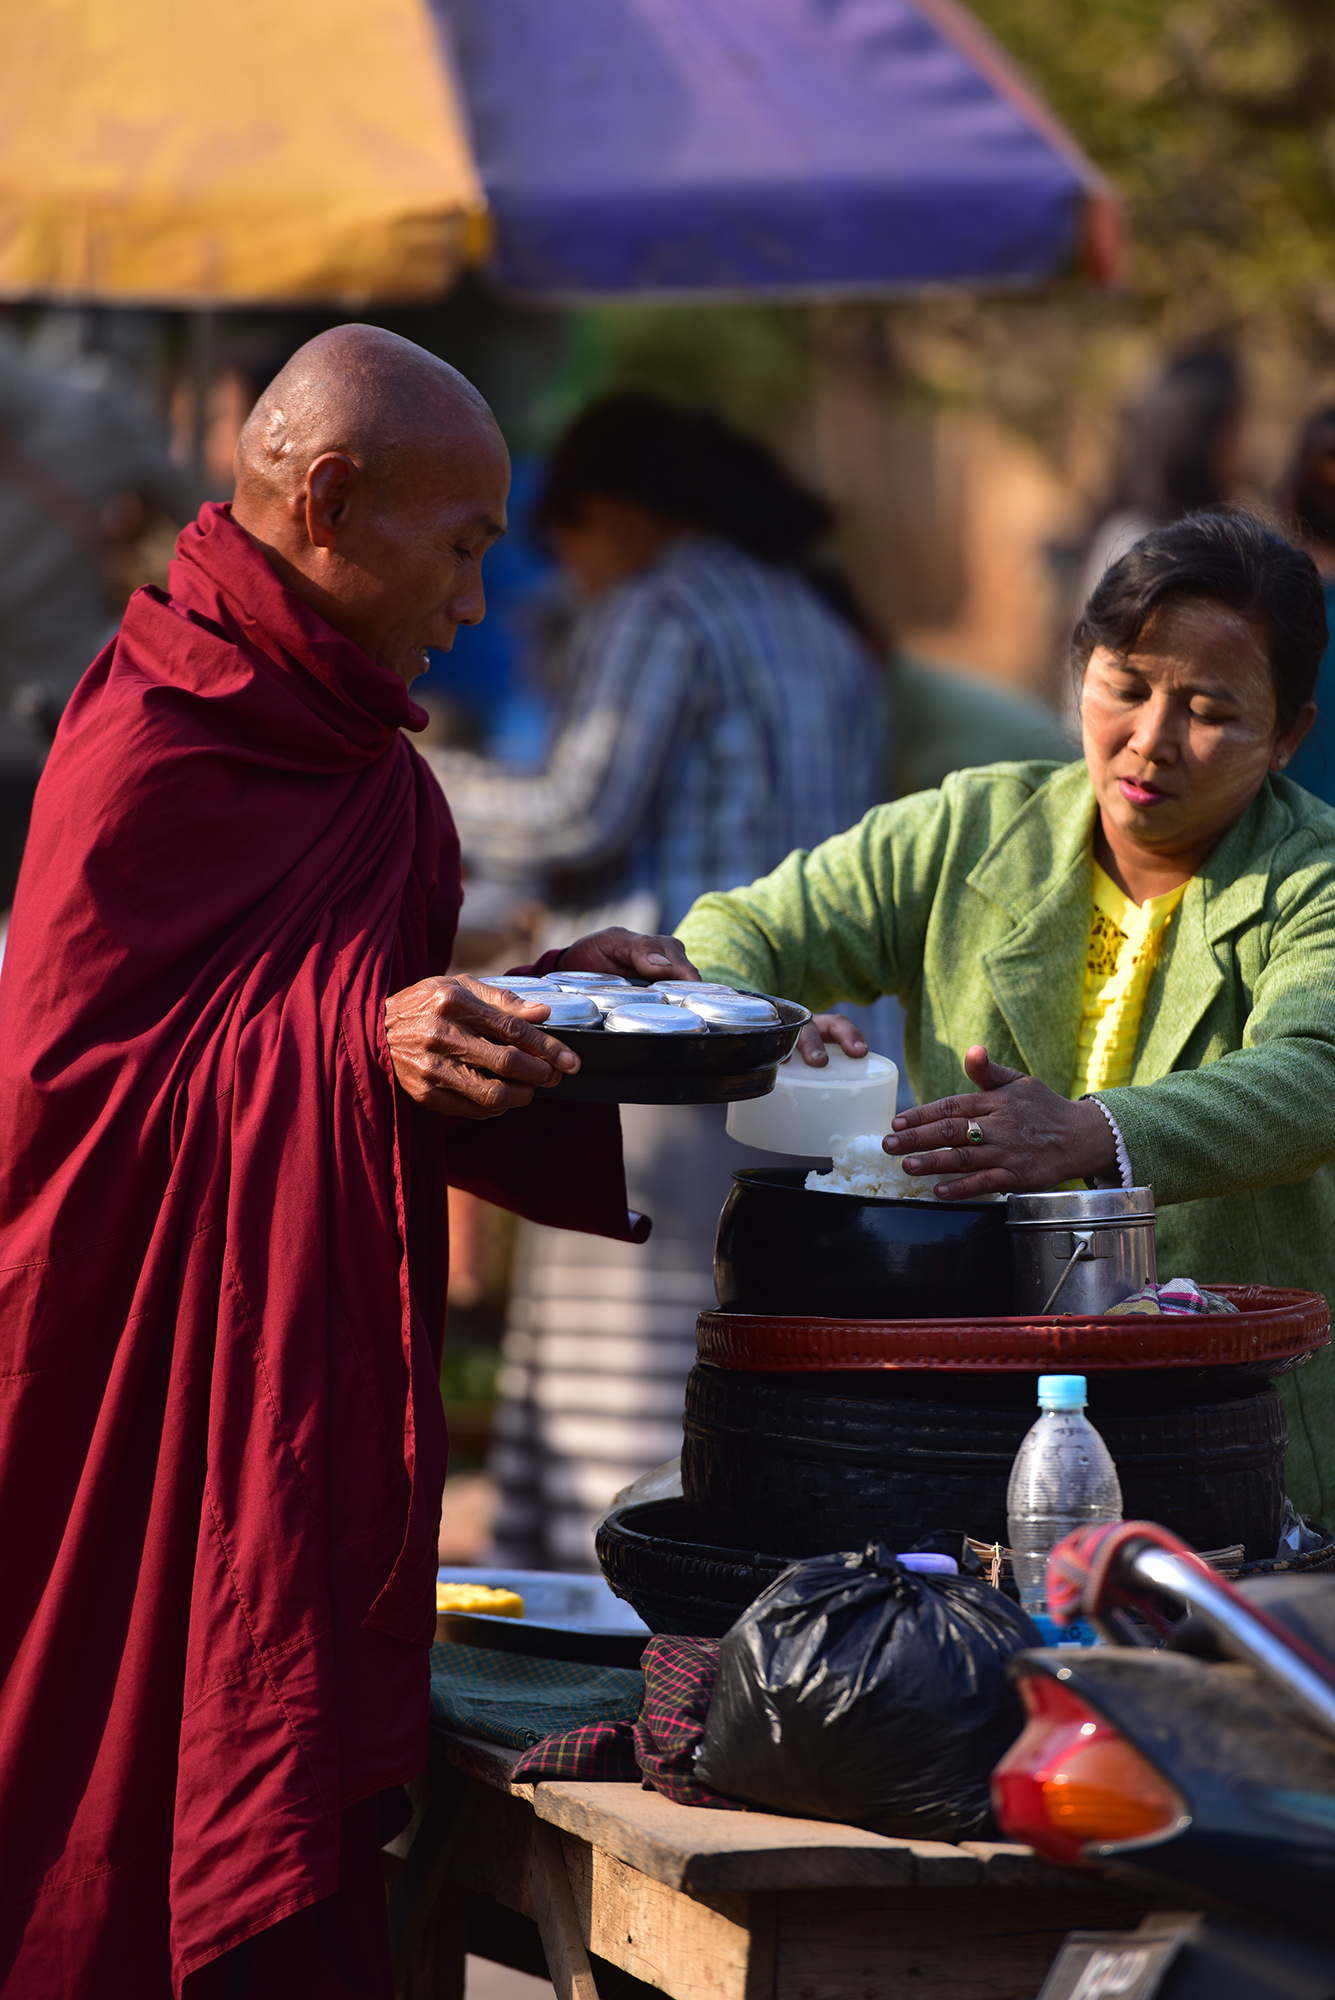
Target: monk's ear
{"points": [[331, 483]]}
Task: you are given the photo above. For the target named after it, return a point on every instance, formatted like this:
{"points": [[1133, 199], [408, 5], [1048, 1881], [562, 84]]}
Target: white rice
{"points": [[864, 1168]]}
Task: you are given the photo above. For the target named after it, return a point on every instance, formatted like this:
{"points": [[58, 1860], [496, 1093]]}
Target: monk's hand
{"points": [[467, 1050], [1032, 1138], [629, 953], [823, 1028]]}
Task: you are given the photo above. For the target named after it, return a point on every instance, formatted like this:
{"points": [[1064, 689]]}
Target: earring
{"points": [[1281, 761]]}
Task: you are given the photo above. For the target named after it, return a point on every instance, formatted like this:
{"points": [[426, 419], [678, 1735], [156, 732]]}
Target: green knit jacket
{"points": [[972, 903]]}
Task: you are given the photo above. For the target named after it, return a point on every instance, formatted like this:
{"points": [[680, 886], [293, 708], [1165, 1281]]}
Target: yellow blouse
{"points": [[1124, 942]]}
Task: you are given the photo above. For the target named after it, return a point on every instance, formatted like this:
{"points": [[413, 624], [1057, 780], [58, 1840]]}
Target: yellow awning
{"points": [[174, 152]]}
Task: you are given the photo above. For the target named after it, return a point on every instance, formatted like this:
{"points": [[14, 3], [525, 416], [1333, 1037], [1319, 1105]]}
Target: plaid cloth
{"points": [[660, 1749], [510, 1698], [603, 1750], [1179, 1295]]}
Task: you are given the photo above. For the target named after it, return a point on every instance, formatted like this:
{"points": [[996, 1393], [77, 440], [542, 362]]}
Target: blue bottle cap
{"points": [[1062, 1392]]}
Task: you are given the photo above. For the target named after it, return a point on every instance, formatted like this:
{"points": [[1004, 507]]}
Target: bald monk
{"points": [[234, 1084]]}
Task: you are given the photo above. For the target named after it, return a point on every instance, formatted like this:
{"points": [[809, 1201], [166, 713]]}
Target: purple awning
{"points": [[790, 147]]}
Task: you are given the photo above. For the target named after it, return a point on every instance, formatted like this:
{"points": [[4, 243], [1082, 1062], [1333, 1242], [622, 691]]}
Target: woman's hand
{"points": [[823, 1028], [466, 1050], [1032, 1139], [629, 953]]}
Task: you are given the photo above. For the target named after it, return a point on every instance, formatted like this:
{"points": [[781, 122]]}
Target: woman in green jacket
{"points": [[1119, 970]]}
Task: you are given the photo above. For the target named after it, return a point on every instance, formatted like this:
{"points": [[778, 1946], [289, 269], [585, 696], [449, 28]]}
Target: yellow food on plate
{"points": [[479, 1597]]}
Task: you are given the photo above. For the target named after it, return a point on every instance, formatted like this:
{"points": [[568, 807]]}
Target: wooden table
{"points": [[708, 1905]]}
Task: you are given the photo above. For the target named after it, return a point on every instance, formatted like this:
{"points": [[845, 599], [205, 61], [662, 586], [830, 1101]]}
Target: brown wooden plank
{"points": [[938, 1865], [490, 1763], [691, 1947], [495, 1857], [1007, 1865], [702, 1850], [956, 1944]]}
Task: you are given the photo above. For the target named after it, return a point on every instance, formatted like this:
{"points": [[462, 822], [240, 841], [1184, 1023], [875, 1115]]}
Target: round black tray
{"points": [[690, 1069], [604, 1648]]}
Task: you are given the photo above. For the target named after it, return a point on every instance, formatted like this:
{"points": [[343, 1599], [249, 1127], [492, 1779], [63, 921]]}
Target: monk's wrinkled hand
{"points": [[823, 1028], [467, 1050], [628, 952], [1032, 1138]]}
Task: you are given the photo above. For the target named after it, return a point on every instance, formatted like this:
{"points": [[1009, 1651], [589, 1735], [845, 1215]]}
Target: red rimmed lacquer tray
{"points": [[1270, 1325]]}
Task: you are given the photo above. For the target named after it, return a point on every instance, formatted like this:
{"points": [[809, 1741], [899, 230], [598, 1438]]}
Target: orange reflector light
{"points": [[1071, 1781]]}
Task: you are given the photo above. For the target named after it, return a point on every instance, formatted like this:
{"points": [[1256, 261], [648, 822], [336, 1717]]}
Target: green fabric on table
{"points": [[513, 1699], [972, 903]]}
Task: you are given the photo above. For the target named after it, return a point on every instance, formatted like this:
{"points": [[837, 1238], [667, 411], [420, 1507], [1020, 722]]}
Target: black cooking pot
{"points": [[783, 1249]]}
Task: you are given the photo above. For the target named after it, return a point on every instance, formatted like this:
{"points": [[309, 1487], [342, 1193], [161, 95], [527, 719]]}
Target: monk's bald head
{"points": [[374, 479], [380, 399]]}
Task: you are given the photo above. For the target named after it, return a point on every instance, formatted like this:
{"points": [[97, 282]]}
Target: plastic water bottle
{"points": [[1063, 1478]]}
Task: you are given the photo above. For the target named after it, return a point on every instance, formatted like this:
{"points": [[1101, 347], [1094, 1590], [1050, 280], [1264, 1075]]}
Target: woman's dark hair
{"points": [[1171, 465], [689, 466], [1304, 494], [1230, 558]]}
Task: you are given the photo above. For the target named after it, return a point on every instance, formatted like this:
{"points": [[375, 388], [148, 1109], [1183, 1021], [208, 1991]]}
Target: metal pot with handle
{"points": [[1080, 1251]]}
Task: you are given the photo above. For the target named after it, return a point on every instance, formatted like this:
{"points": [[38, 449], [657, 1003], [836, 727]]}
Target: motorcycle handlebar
{"points": [[1242, 1629], [1098, 1572]]}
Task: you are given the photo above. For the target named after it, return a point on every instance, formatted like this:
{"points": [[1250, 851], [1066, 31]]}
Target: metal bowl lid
{"points": [[653, 1021], [574, 981], [1079, 1205], [680, 990], [738, 1010], [623, 996], [571, 1010], [612, 988]]}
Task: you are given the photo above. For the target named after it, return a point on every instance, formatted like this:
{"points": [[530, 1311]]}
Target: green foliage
{"points": [[751, 363], [468, 1374], [1216, 119]]}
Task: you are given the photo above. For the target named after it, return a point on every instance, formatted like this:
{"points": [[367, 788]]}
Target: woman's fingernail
{"points": [[913, 1165], [568, 1061], [658, 958], [898, 1124]]}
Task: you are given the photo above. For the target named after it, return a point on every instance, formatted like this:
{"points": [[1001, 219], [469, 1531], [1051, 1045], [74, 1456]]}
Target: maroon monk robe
{"points": [[222, 1248]]}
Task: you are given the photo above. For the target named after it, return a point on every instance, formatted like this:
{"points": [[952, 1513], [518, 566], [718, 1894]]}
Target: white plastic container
{"points": [[1063, 1478], [814, 1111]]}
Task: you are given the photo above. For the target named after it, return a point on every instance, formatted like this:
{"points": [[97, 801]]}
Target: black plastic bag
{"points": [[855, 1690]]}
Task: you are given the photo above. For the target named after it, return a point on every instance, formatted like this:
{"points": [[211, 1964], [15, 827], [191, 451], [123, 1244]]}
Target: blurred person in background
{"points": [[717, 712], [1181, 456], [945, 719], [81, 466], [1307, 496], [81, 470]]}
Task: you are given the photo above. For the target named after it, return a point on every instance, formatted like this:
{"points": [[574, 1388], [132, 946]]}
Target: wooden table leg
{"points": [[554, 1909]]}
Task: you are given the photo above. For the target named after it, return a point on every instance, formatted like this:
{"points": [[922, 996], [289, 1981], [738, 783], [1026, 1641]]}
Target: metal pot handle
{"points": [[1083, 1239]]}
